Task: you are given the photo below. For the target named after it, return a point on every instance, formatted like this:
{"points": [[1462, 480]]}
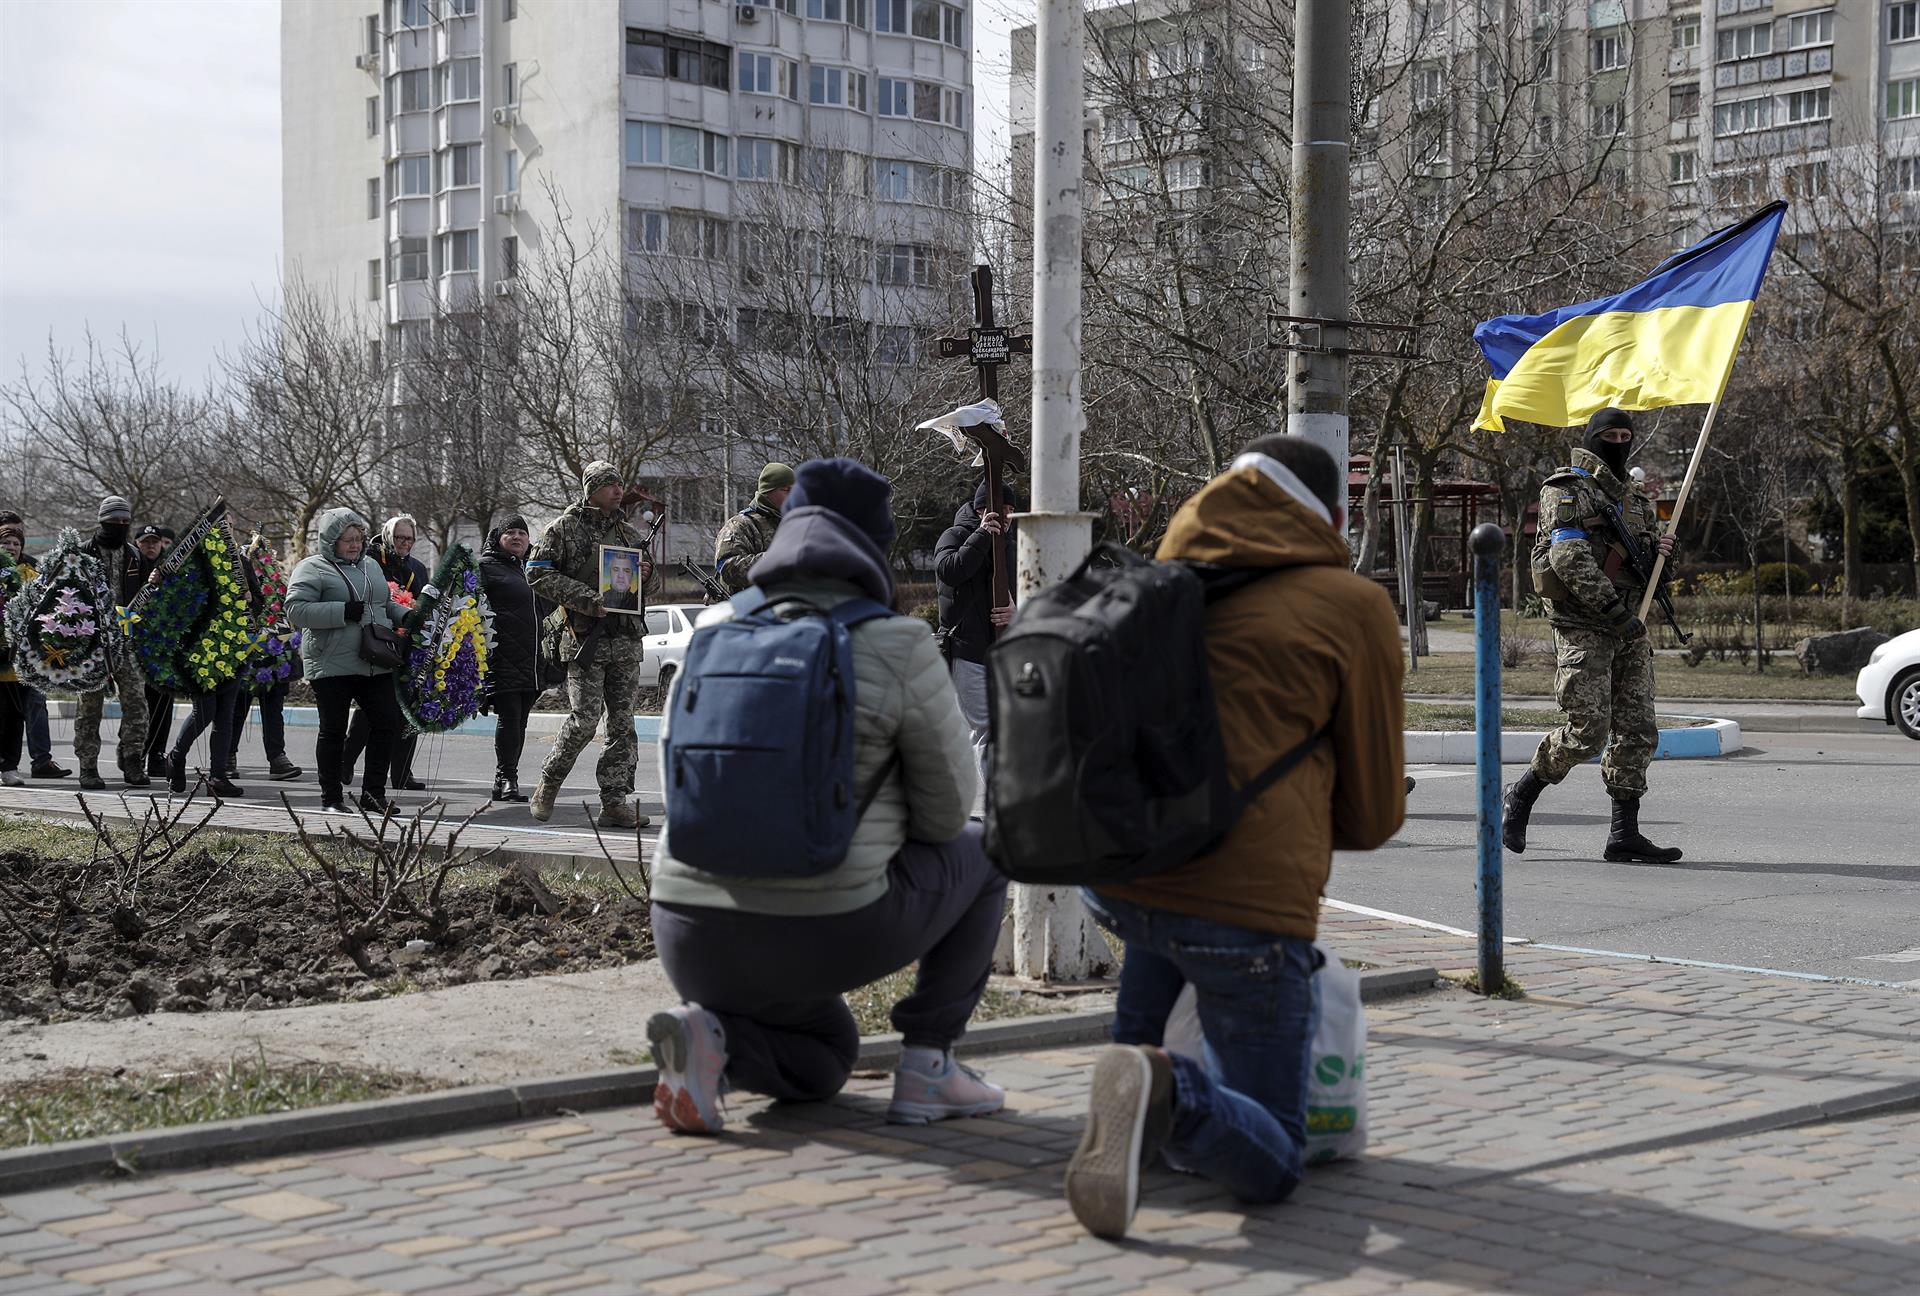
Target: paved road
{"points": [[1803, 854]]}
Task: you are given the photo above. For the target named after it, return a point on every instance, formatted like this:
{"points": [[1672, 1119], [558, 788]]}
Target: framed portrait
{"points": [[622, 572]]}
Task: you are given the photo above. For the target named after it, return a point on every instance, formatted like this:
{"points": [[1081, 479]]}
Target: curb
{"points": [[645, 727], [1450, 747], [419, 1115]]}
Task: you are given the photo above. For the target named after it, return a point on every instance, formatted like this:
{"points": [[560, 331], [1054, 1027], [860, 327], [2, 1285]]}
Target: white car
{"points": [[1889, 684], [669, 627]]}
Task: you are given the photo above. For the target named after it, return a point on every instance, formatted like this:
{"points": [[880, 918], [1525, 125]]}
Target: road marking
{"points": [[1424, 772], [1904, 956]]}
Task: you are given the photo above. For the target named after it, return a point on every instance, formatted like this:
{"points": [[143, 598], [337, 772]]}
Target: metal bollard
{"points": [[1486, 542]]}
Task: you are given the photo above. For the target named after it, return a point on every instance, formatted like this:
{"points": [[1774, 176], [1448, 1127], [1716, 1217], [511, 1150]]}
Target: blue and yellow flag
{"points": [[1668, 340]]}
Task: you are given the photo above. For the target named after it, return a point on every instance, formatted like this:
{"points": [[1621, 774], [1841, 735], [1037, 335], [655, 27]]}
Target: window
{"points": [[893, 344], [1903, 175], [953, 27], [410, 91], [762, 159], [1543, 130], [645, 144], [926, 19], [654, 54], [692, 149], [373, 279], [1903, 98], [827, 10], [510, 83], [1429, 84], [1807, 179], [926, 101], [1253, 55], [461, 8], [890, 179], [409, 259], [1683, 101], [1609, 51], [1682, 167], [1608, 119], [410, 177], [892, 100], [460, 250], [646, 230], [509, 10], [373, 198], [1686, 33], [510, 257], [890, 16], [953, 108], [511, 181], [409, 13], [460, 81], [457, 167], [826, 86], [1743, 115], [1808, 29], [1745, 42], [766, 74], [857, 90], [370, 39], [657, 621], [1903, 21], [1810, 105], [373, 116]]}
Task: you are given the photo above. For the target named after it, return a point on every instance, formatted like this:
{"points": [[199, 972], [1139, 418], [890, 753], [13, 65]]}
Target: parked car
{"points": [[1889, 684], [669, 627]]}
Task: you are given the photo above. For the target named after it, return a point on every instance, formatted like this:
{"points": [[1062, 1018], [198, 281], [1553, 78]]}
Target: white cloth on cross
{"points": [[949, 425]]}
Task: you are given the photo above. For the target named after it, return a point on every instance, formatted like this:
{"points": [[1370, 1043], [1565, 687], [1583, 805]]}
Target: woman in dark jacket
{"points": [[513, 682]]}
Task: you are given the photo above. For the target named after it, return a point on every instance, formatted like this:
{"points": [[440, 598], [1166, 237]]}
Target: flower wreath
{"points": [[276, 649], [449, 662], [194, 630], [62, 625]]}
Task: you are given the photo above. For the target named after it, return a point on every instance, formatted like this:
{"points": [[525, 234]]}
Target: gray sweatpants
{"points": [[970, 688], [776, 982]]}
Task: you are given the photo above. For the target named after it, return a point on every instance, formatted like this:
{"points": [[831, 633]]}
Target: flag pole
{"points": [[1686, 483]]}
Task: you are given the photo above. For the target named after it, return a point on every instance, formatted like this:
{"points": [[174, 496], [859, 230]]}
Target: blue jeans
{"points": [[1246, 1130], [39, 733]]}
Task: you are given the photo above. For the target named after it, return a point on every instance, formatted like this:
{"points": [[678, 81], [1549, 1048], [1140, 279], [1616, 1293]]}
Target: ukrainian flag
{"points": [[1668, 340]]}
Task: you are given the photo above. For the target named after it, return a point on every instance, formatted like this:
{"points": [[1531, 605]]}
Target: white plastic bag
{"points": [[1337, 1084]]}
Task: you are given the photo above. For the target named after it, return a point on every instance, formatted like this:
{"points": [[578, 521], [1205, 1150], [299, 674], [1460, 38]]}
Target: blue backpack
{"points": [[758, 759]]}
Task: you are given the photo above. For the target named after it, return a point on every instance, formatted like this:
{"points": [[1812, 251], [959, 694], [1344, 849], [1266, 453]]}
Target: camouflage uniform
{"points": [[123, 573], [742, 540], [564, 568], [1602, 679]]}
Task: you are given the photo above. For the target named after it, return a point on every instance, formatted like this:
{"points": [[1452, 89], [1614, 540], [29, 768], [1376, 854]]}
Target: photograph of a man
{"points": [[620, 575]]}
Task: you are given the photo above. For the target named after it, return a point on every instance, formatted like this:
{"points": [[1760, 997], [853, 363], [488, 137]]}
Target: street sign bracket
{"points": [[1307, 334]]}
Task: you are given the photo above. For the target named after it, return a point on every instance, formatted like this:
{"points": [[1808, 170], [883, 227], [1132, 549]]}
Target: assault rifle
{"points": [[715, 591], [1642, 564]]}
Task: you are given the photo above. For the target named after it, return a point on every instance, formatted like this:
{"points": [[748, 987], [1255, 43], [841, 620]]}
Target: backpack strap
{"points": [[749, 600], [1253, 788], [859, 611]]}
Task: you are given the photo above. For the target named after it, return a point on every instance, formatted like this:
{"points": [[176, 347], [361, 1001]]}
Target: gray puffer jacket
{"points": [[903, 701], [317, 601]]}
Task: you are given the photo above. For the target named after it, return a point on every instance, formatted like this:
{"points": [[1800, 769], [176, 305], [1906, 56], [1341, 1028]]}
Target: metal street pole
{"points": [[1486, 542], [1317, 285], [1053, 938]]}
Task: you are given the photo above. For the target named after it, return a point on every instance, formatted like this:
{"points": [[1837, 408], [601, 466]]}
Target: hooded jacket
{"points": [[1310, 648], [409, 573], [516, 624], [902, 701], [742, 541], [963, 572], [317, 598], [564, 569]]}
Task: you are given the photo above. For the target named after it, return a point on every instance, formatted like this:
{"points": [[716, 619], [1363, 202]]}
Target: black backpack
{"points": [[1106, 762]]}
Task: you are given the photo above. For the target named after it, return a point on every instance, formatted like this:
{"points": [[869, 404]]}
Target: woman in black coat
{"points": [[513, 681]]}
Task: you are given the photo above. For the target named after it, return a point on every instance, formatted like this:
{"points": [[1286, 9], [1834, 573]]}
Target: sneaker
{"points": [[690, 1048], [1129, 1114], [921, 1096], [280, 769], [47, 769], [11, 778], [378, 806]]}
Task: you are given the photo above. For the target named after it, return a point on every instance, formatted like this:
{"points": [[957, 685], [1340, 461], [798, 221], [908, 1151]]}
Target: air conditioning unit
{"points": [[367, 62], [507, 116], [746, 13], [504, 288], [506, 204]]}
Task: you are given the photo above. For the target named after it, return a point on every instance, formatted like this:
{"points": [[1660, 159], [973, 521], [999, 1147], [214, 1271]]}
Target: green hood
{"points": [[332, 523]]}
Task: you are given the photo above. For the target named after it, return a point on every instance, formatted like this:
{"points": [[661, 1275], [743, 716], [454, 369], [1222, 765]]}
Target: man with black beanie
{"points": [[969, 622], [1604, 662], [120, 565]]}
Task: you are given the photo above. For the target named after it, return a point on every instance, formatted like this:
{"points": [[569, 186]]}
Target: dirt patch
{"points": [[255, 936]]}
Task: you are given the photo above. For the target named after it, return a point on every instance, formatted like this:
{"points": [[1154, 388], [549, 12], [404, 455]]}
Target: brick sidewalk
{"points": [[1604, 1134]]}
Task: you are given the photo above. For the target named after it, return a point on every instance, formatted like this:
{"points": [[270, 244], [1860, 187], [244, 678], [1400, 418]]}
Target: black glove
{"points": [[1625, 624], [355, 610]]}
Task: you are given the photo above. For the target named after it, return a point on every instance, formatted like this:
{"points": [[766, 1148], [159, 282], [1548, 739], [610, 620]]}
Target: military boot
{"points": [[544, 794], [1625, 845], [1517, 808], [90, 778], [621, 814]]}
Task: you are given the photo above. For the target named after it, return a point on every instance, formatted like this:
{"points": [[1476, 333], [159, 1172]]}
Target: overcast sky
{"points": [[140, 141]]}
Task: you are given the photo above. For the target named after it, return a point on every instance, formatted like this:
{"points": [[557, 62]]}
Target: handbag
{"points": [[380, 646]]}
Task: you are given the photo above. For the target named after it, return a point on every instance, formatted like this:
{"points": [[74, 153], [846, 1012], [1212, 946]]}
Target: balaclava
{"points": [[1612, 454], [116, 519]]}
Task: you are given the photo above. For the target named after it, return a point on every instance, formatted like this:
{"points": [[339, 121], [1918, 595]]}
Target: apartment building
{"points": [[428, 143]]}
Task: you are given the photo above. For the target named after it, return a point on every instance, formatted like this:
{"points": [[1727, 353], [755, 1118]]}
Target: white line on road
{"points": [[1904, 956]]}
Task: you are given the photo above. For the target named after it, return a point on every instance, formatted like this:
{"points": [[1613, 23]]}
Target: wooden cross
{"points": [[987, 347]]}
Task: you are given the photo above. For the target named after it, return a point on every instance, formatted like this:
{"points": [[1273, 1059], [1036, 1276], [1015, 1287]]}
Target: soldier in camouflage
{"points": [[1603, 673], [603, 653], [120, 562], [748, 533]]}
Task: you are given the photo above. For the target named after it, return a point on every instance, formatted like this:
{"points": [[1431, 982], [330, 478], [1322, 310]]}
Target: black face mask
{"points": [[115, 533], [1611, 453]]}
